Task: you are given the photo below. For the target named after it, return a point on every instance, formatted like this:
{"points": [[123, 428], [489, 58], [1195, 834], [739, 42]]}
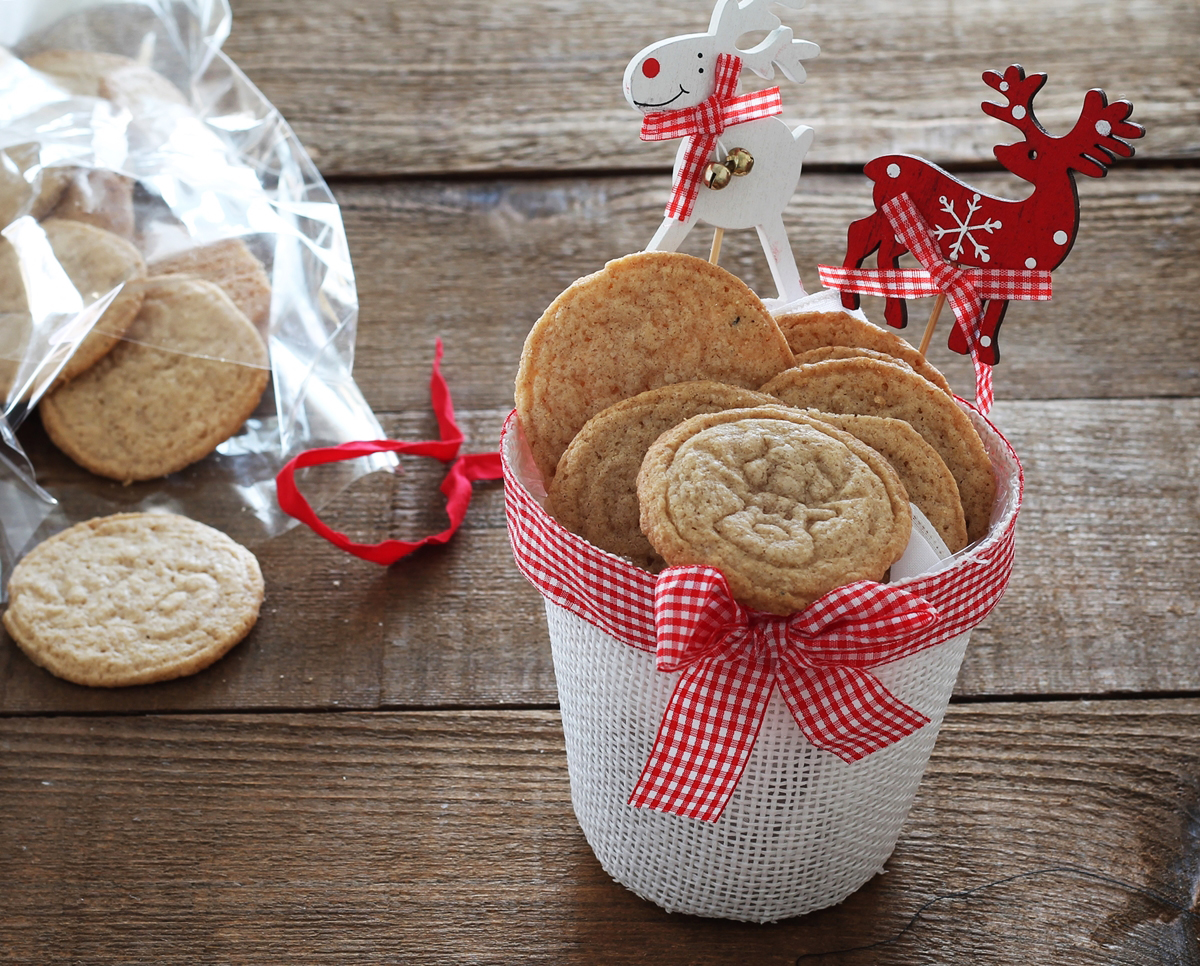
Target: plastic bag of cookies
{"points": [[169, 316], [762, 544]]}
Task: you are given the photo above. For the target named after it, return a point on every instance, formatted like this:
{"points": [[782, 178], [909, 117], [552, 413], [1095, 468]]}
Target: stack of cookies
{"points": [[676, 422], [177, 360]]}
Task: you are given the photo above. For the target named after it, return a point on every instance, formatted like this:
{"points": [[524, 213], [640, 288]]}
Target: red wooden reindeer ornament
{"points": [[977, 249]]}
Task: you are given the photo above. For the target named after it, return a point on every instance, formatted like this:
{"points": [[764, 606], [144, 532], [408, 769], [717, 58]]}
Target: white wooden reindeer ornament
{"points": [[686, 86]]}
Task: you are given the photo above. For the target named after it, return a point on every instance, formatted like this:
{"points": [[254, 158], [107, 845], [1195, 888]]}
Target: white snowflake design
{"points": [[964, 228]]}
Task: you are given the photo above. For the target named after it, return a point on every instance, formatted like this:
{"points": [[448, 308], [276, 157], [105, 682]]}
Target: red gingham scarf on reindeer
{"points": [[702, 124], [732, 658], [964, 288]]}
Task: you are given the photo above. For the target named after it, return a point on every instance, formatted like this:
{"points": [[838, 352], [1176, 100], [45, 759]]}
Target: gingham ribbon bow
{"points": [[965, 288], [732, 658], [702, 124]]}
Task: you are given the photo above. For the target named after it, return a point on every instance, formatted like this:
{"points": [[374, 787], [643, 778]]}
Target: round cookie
{"points": [[99, 197], [188, 375], [26, 188], [232, 266], [806, 331], [96, 262], [873, 388], [785, 506], [643, 321], [133, 598], [927, 480], [594, 491], [79, 71]]}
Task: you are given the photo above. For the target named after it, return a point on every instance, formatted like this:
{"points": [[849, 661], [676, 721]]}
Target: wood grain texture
{"points": [[384, 88], [477, 262], [1061, 833], [1102, 598]]}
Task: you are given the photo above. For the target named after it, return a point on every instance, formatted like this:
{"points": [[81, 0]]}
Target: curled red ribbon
{"points": [[702, 124], [456, 487], [733, 658]]}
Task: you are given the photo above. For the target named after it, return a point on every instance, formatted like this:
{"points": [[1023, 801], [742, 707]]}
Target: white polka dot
{"points": [[893, 170], [1031, 263], [1004, 85], [1103, 128], [1018, 112], [1060, 237], [985, 340]]}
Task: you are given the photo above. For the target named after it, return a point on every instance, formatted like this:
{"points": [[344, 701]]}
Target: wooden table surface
{"points": [[377, 773]]}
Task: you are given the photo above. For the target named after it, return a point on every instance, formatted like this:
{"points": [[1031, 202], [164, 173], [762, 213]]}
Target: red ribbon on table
{"points": [[733, 658], [965, 288], [456, 487], [702, 124]]}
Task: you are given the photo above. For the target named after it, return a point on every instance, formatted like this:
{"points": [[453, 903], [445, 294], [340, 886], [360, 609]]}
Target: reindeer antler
{"points": [[1019, 91], [733, 18], [1100, 133]]}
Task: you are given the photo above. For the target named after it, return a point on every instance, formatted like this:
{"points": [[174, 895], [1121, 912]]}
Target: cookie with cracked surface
{"points": [[926, 477], [594, 491], [188, 375], [873, 388], [643, 321], [786, 506], [806, 331], [132, 599]]}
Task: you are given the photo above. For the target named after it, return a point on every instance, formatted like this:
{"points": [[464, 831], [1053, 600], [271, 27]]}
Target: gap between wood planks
{"points": [[1033, 697], [655, 170]]}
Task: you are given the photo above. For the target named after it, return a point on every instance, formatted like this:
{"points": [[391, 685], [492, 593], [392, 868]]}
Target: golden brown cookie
{"points": [[231, 265], [787, 507], [643, 321], [101, 198], [96, 262], [190, 372], [139, 89], [875, 388], [806, 331], [927, 480], [133, 598], [78, 71], [594, 491], [26, 188]]}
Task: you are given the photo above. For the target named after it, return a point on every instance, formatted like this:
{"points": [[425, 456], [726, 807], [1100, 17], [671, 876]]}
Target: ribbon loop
{"points": [[456, 487], [703, 124], [733, 658]]}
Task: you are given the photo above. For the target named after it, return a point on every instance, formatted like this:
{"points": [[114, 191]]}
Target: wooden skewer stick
{"points": [[932, 323], [715, 253]]}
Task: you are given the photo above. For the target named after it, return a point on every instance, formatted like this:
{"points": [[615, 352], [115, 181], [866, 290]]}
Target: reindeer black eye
{"points": [[1032, 155]]}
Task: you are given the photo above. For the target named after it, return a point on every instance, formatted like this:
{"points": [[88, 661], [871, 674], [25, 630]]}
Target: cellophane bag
{"points": [[198, 157]]}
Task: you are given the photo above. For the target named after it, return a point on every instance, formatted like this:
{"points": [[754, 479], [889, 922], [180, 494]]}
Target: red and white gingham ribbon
{"points": [[965, 288], [620, 599], [702, 124], [733, 658]]}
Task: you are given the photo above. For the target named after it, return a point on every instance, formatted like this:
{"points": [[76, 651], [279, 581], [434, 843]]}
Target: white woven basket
{"points": [[804, 829]]}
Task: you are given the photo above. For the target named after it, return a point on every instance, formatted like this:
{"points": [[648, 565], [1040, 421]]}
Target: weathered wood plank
{"points": [[477, 262], [1102, 599], [449, 838], [379, 87]]}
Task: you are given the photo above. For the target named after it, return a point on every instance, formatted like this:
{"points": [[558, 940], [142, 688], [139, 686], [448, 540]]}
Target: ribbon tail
{"points": [[705, 739], [845, 710]]}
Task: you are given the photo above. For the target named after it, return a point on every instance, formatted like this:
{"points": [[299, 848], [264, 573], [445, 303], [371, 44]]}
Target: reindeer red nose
{"points": [[651, 67]]}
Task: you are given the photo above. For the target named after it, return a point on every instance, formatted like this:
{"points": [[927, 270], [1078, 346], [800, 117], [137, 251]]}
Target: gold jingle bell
{"points": [[739, 162], [717, 176]]}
